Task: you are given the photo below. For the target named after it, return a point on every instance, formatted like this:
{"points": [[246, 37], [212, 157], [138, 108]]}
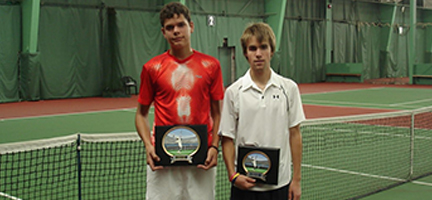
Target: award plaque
{"points": [[181, 144], [259, 163]]}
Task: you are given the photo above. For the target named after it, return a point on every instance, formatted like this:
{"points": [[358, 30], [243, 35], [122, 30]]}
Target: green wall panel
{"points": [[10, 46]]}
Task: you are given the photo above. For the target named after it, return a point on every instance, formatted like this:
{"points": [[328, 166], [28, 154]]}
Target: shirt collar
{"points": [[248, 83], [181, 61]]}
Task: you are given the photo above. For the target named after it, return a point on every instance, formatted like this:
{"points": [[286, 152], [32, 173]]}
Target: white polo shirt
{"points": [[263, 118]]}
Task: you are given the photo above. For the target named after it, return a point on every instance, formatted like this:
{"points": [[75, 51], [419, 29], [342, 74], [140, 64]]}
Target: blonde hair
{"points": [[262, 32]]}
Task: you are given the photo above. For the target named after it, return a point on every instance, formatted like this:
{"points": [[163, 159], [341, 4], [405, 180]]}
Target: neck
{"points": [[260, 77], [181, 54]]}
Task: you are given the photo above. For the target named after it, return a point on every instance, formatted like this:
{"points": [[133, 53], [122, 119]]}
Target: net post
{"points": [[412, 131], [78, 150]]}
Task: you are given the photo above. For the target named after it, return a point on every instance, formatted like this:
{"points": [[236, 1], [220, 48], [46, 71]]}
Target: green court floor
{"points": [[119, 121], [383, 98], [417, 190], [43, 127]]}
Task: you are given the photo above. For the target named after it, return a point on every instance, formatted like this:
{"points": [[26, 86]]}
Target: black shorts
{"points": [[278, 194]]}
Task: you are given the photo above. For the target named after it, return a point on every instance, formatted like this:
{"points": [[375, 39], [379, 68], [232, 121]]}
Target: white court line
{"points": [[8, 196], [422, 183], [367, 104], [151, 110], [341, 130], [365, 175], [411, 102], [341, 91], [132, 109], [341, 103], [354, 173]]}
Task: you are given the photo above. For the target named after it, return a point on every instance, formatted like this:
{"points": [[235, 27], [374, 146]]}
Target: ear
{"points": [[163, 32], [192, 26]]}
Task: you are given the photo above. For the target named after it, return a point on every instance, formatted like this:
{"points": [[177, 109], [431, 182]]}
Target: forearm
{"points": [[228, 152], [296, 145], [216, 116], [143, 129], [216, 137], [142, 124]]}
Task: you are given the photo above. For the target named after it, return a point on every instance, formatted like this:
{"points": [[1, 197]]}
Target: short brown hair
{"points": [[262, 32], [170, 9]]}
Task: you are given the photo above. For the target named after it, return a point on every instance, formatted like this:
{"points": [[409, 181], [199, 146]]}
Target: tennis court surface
{"points": [[382, 140]]}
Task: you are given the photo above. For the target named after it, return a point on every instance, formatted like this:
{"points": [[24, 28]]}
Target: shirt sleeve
{"points": [[296, 114], [229, 117], [146, 93], [217, 88]]}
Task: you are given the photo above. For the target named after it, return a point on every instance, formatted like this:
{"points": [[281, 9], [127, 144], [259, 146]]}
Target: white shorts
{"points": [[181, 183]]}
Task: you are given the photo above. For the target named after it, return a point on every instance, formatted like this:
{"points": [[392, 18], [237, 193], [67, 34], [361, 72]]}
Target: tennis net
{"points": [[352, 157], [343, 158], [80, 166]]}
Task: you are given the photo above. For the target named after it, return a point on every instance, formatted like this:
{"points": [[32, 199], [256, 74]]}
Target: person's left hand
{"points": [[294, 191], [211, 161]]}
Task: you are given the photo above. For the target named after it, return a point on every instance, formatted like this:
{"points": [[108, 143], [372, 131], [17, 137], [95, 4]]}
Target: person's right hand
{"points": [[243, 182], [151, 158]]}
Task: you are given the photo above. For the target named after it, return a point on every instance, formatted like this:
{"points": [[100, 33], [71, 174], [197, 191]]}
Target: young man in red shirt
{"points": [[185, 87]]}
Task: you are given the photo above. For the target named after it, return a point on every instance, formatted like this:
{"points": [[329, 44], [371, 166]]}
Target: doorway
{"points": [[226, 58]]}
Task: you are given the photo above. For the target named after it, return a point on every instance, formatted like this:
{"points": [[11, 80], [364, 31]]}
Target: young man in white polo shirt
{"points": [[264, 110]]}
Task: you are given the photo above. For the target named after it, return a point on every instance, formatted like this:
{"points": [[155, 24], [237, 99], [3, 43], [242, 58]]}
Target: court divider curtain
{"points": [[428, 44], [83, 50], [394, 62], [136, 38], [70, 56], [424, 43], [369, 51], [10, 46], [30, 78], [303, 41], [302, 51]]}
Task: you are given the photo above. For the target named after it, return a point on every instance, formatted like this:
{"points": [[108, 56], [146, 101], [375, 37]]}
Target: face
{"points": [[258, 54], [177, 31]]}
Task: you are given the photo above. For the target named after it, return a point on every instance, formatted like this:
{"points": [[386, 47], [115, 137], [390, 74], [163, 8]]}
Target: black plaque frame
{"points": [[266, 170], [167, 157]]}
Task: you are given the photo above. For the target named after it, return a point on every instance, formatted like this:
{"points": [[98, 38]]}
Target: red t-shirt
{"points": [[181, 90]]}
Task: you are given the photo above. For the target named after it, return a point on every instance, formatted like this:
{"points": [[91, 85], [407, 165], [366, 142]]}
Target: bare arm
{"points": [[296, 145], [216, 116], [143, 129], [212, 153], [228, 152]]}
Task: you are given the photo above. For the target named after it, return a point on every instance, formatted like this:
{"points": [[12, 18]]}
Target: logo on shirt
{"points": [[182, 78]]}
